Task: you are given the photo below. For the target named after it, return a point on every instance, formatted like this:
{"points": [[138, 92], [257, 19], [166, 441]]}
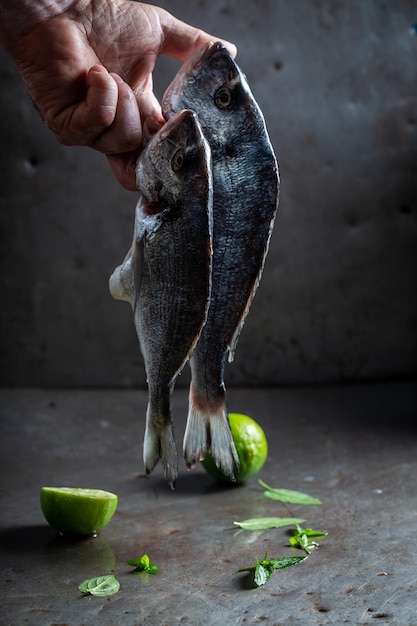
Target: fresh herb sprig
{"points": [[143, 565], [100, 586], [262, 570], [264, 523], [108, 585], [288, 495], [301, 538]]}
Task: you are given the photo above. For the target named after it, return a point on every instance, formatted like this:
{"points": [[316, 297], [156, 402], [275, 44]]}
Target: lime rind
{"points": [[77, 511], [251, 446]]}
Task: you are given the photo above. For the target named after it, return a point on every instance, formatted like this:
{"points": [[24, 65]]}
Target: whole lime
{"points": [[251, 446], [77, 511]]}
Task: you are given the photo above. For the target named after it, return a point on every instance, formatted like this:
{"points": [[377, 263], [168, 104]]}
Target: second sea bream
{"points": [[245, 200], [166, 275]]}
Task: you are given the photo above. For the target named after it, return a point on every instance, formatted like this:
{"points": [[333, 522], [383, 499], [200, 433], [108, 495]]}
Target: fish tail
{"points": [[208, 430], [159, 444]]}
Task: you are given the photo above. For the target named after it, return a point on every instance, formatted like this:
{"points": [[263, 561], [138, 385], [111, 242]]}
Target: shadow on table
{"points": [[26, 539], [50, 549], [191, 484]]}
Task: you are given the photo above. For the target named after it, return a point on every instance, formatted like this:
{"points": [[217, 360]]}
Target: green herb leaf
{"points": [[287, 495], [100, 586], [263, 569], [142, 561], [143, 565], [283, 562], [302, 542], [152, 569], [262, 575], [314, 533], [301, 538], [263, 523]]}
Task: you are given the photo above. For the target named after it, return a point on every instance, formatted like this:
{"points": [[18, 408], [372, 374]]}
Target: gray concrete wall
{"points": [[337, 81]]}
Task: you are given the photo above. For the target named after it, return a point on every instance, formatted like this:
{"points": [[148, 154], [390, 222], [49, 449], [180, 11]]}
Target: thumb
{"points": [[181, 40]]}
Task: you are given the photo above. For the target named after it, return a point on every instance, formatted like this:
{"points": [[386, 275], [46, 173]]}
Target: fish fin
{"points": [[234, 339], [159, 444], [124, 283], [209, 431], [120, 282]]}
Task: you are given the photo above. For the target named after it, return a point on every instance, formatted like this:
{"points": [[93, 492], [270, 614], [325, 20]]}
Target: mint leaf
{"points": [[283, 562], [263, 523], [100, 586], [263, 569], [262, 575], [142, 561], [143, 565], [301, 538], [287, 495], [302, 542], [151, 569], [313, 533]]}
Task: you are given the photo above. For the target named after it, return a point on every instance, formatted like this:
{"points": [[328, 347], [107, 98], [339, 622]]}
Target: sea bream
{"points": [[166, 275], [245, 200]]}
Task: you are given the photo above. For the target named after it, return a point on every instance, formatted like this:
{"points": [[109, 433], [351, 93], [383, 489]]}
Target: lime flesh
{"points": [[77, 511], [251, 446]]}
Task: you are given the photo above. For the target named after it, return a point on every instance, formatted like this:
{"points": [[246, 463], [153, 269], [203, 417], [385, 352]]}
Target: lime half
{"points": [[77, 511], [251, 446]]}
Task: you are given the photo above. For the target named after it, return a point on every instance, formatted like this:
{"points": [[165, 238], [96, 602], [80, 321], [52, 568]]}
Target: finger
{"points": [[82, 123], [149, 106], [150, 127], [181, 39], [151, 114], [123, 167], [125, 132]]}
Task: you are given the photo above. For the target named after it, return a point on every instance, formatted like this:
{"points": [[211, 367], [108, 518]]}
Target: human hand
{"points": [[88, 67]]}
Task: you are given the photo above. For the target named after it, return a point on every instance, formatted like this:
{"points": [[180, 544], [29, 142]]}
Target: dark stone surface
{"points": [[355, 448]]}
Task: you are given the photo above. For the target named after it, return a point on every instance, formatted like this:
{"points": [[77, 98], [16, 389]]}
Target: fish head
{"points": [[175, 162], [211, 84]]}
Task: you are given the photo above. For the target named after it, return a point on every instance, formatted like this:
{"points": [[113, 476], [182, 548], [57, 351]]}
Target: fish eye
{"points": [[177, 160], [223, 98]]}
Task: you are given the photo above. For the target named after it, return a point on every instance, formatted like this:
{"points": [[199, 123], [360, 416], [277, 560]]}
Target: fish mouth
{"points": [[187, 72], [203, 54], [172, 126], [175, 120]]}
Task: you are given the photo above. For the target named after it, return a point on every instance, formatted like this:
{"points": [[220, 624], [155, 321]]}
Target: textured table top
{"points": [[354, 447]]}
